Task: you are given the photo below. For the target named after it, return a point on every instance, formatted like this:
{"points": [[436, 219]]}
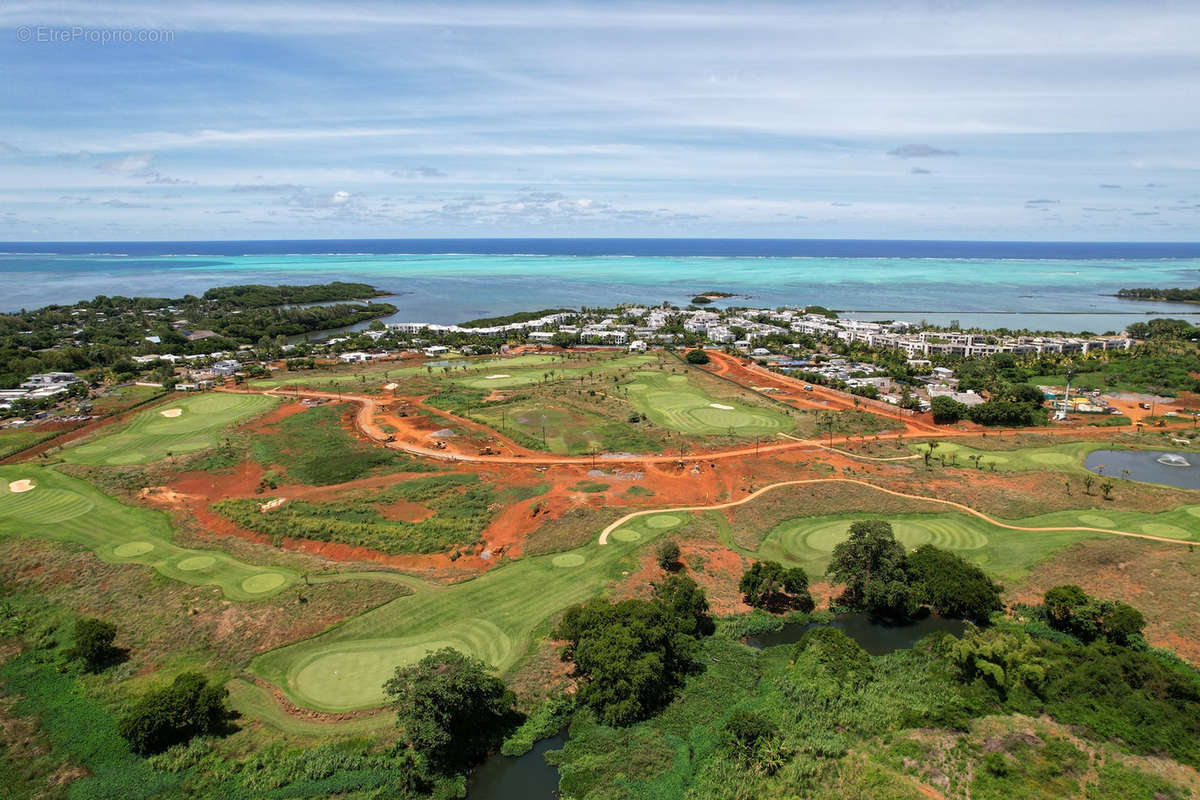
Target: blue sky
{"points": [[1072, 121]]}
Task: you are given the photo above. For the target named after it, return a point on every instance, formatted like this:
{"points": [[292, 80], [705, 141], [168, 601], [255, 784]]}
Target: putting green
{"points": [[266, 582], [132, 549], [1096, 520], [1062, 459], [680, 403], [1193, 510], [1164, 529], [663, 521], [569, 560], [194, 563], [150, 436], [799, 538], [352, 675]]}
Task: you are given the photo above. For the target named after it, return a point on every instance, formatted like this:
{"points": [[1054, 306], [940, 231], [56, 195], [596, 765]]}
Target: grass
{"points": [[80, 729], [67, 509], [151, 436], [462, 507], [359, 378], [808, 541], [493, 617], [314, 448], [679, 402], [14, 440]]}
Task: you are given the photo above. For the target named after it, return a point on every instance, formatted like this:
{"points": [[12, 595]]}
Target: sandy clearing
{"points": [[23, 485], [172, 412], [721, 406]]}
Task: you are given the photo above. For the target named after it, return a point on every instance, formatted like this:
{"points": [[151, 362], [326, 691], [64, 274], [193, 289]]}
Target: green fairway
{"points": [[1068, 456], [371, 375], [678, 402], [511, 373], [493, 617], [67, 509], [1004, 553], [159, 431]]}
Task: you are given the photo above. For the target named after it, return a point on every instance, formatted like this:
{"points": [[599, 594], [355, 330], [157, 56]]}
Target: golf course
{"points": [[493, 617], [678, 402], [182, 425], [41, 502]]}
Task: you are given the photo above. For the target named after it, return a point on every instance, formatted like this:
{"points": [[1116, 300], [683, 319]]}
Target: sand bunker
{"points": [[172, 412], [495, 377], [23, 485], [387, 387], [721, 406]]}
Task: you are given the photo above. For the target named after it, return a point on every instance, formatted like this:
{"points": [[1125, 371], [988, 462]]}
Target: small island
{"points": [[1176, 295]]}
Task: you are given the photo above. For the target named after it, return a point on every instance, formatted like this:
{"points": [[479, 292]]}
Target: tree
{"points": [[770, 585], [668, 555], [632, 655], [94, 644], [451, 708], [697, 357], [870, 562], [946, 410], [188, 707], [1071, 610], [950, 585]]}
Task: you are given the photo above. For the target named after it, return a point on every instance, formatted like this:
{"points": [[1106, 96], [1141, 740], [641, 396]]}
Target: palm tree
{"points": [[1106, 489], [1089, 481]]}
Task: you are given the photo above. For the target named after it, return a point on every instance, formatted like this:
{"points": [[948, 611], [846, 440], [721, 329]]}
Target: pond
{"points": [[876, 636], [526, 777], [1173, 469]]}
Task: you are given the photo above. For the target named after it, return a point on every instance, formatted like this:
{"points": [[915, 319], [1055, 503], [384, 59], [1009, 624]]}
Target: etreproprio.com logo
{"points": [[75, 34]]}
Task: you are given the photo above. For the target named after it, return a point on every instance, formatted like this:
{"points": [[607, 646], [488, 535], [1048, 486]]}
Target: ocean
{"points": [[1037, 285]]}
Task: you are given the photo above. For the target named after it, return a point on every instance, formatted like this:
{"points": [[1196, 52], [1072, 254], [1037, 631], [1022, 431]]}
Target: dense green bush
{"points": [[93, 643], [950, 585], [771, 586], [1071, 610], [631, 656], [188, 707]]}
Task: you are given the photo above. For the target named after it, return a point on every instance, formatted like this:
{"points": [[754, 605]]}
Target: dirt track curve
{"points": [[959, 506]]}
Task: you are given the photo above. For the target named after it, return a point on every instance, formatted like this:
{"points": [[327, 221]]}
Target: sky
{"points": [[913, 120]]}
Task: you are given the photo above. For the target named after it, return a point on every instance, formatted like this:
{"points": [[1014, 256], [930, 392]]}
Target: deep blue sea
{"points": [[1045, 286]]}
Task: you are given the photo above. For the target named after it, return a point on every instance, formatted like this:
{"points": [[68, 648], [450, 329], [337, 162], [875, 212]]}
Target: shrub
{"points": [[188, 707], [668, 555], [93, 643], [771, 586]]}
